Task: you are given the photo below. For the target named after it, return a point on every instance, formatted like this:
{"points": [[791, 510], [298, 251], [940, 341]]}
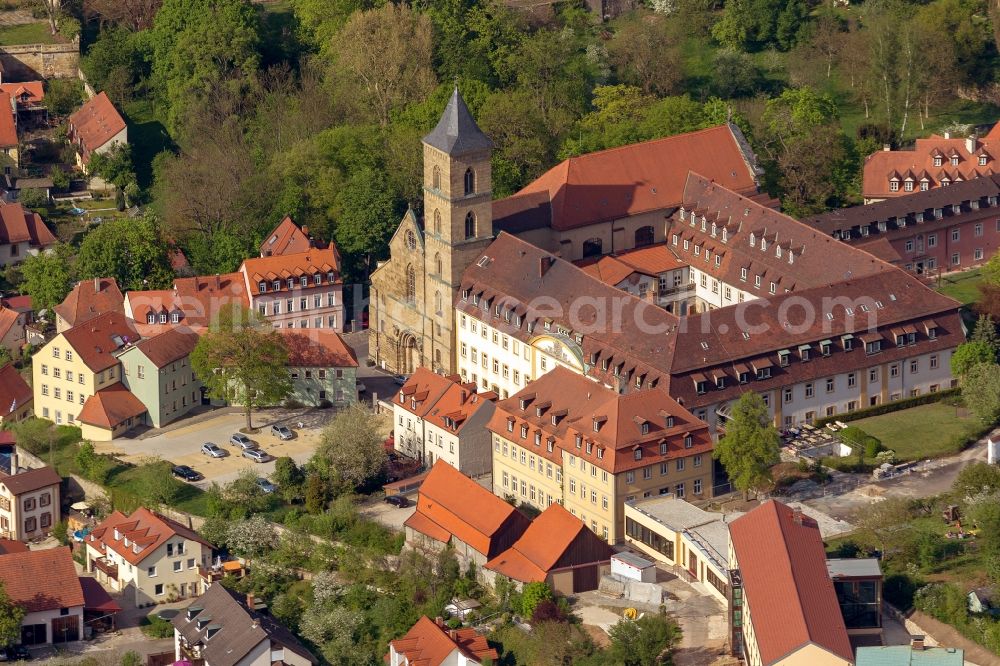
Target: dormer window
{"points": [[644, 428], [291, 283], [720, 382], [538, 439], [773, 288], [701, 387], [262, 286], [753, 240], [600, 453], [743, 274], [637, 455], [579, 440], [824, 348], [670, 421], [804, 352], [982, 160], [924, 185], [688, 441], [510, 425], [893, 186], [276, 285], [908, 186], [663, 448], [954, 160], [118, 535], [744, 377], [151, 318], [725, 234], [555, 420], [783, 357], [756, 281], [524, 431]]}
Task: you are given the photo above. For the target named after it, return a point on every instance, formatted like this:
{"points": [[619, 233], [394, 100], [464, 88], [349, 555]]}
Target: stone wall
{"points": [[26, 62]]}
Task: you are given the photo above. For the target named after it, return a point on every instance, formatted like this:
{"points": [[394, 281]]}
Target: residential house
{"points": [[694, 543], [557, 549], [453, 510], [915, 654], [29, 101], [194, 303], [298, 290], [323, 368], [95, 128], [783, 607], [934, 162], [13, 331], [45, 584], [442, 418], [15, 395], [432, 643], [567, 439], [22, 233], [927, 232], [29, 501], [88, 299], [287, 238], [77, 378], [157, 371], [225, 628], [148, 557]]}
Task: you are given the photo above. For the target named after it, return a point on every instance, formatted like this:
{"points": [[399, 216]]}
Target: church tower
{"points": [[458, 220]]}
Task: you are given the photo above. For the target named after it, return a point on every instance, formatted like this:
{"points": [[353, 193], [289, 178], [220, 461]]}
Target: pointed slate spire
{"points": [[457, 133]]}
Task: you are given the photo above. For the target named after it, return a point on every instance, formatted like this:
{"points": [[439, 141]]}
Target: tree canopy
{"points": [[751, 445]]}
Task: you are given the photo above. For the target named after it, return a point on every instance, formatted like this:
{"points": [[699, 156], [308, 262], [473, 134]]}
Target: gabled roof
{"points": [[30, 480], [315, 261], [626, 181], [90, 298], [29, 92], [8, 546], [8, 318], [41, 580], [287, 238], [96, 340], [422, 390], [240, 628], [19, 226], [144, 529], [456, 132], [317, 348], [792, 602], [96, 122], [452, 504], [14, 391], [607, 268], [544, 544], [110, 407], [167, 347], [8, 129], [428, 644], [198, 301]]}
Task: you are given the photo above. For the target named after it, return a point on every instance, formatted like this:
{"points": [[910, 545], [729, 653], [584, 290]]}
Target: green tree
{"points": [[11, 615], [971, 354], [155, 484], [370, 214], [885, 525], [198, 46], [63, 96], [48, 276], [115, 63], [979, 477], [246, 493], [533, 594], [734, 74], [92, 466], [242, 360], [133, 251], [132, 658], [646, 54], [986, 332], [351, 450], [316, 495], [981, 391], [251, 538], [114, 166], [289, 478], [751, 445], [647, 641]]}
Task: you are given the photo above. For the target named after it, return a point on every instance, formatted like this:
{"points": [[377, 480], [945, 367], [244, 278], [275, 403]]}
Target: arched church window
{"points": [[436, 178], [592, 247], [470, 181], [643, 236], [411, 283], [437, 302], [470, 225], [411, 240]]}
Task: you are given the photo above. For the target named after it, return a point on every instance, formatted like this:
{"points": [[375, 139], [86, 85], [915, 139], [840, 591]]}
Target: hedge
{"points": [[888, 407]]}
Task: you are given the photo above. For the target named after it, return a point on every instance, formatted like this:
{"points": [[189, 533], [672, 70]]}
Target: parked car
{"points": [[256, 455], [361, 386], [398, 501], [15, 653], [242, 441], [400, 379], [186, 473], [282, 432], [265, 485], [213, 450]]}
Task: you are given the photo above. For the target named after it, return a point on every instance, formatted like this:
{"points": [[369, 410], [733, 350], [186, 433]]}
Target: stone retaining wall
{"points": [[25, 62]]}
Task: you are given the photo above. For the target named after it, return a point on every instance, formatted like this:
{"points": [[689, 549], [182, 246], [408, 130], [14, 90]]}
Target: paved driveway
{"points": [[182, 446]]}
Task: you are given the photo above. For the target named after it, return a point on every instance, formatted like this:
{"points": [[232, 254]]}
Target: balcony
{"points": [[670, 291], [107, 568]]}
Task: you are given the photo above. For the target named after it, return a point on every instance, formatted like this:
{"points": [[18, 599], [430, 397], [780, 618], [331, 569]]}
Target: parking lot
{"points": [[182, 446]]}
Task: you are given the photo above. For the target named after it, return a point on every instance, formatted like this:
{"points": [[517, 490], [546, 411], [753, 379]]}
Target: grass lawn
{"points": [[963, 287], [927, 431], [28, 33]]}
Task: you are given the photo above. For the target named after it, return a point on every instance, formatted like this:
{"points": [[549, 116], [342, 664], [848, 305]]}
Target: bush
{"points": [[899, 590], [156, 627], [533, 594]]}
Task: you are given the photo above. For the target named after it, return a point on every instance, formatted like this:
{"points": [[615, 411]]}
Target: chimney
{"points": [[216, 281], [13, 462], [797, 517], [970, 143], [453, 635], [947, 135], [886, 147], [439, 621], [916, 642], [97, 284], [250, 601]]}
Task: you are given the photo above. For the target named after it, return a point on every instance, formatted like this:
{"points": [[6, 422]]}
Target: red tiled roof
{"points": [[543, 545], [8, 546], [197, 300], [167, 347], [287, 238], [317, 348], [14, 391], [96, 598], [440, 400], [281, 267], [786, 584], [90, 298], [95, 123], [8, 129], [18, 226], [427, 644], [96, 340], [463, 508], [8, 318], [41, 580], [31, 480], [606, 268], [25, 92], [110, 407], [422, 390], [144, 528], [625, 181], [20, 303]]}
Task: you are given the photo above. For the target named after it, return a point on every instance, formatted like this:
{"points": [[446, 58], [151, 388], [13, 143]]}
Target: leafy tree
{"points": [[649, 640], [5, 356], [133, 251], [33, 198], [316, 494], [60, 178], [646, 54], [63, 96], [332, 628], [612, 123], [885, 525], [199, 45], [981, 391], [242, 360], [734, 74], [986, 332], [48, 276], [370, 215], [970, 354], [751, 444], [136, 15], [92, 466], [114, 166], [979, 477], [251, 538], [155, 484], [115, 63], [350, 452], [533, 594], [132, 658], [11, 615], [245, 493], [384, 55], [289, 478]]}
